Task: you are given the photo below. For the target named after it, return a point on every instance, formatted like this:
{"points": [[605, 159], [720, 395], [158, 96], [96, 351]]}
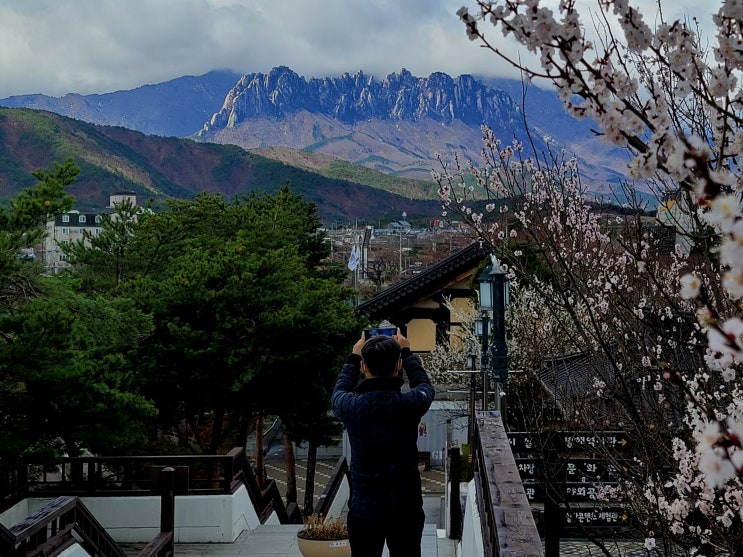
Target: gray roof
{"points": [[426, 283], [570, 378]]}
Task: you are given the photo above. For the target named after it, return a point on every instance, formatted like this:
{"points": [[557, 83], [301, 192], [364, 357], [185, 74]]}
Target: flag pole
{"points": [[353, 265], [356, 273]]}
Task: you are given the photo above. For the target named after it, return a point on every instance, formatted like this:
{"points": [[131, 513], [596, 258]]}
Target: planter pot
{"points": [[324, 548]]}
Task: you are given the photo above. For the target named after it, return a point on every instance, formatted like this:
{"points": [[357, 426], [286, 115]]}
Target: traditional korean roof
{"points": [[569, 379], [425, 284]]}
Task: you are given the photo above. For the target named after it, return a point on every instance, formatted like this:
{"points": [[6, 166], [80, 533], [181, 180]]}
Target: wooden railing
{"points": [[50, 531], [332, 487], [506, 520], [138, 475], [266, 499], [66, 521]]}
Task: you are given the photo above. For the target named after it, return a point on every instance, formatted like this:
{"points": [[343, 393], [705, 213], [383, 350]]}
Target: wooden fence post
{"points": [[552, 511], [167, 505], [455, 506]]}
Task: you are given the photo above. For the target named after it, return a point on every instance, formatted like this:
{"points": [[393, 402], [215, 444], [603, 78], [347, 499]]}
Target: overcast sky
{"points": [[99, 46]]}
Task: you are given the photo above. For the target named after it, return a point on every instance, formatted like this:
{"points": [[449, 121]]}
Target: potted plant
{"points": [[323, 538]]}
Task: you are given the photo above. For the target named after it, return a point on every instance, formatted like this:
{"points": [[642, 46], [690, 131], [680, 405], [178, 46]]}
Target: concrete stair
{"points": [[281, 541]]}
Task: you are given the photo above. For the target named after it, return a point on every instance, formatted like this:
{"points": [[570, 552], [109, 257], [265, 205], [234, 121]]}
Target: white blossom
{"points": [[677, 104], [690, 285]]}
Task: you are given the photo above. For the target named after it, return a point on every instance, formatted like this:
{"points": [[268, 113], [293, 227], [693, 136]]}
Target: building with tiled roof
{"points": [[418, 305]]}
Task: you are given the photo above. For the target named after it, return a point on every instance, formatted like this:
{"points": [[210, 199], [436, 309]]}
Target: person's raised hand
{"points": [[401, 340], [359, 345]]}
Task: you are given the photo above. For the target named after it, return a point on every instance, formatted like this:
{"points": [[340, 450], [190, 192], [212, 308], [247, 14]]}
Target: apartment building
{"points": [[71, 226]]}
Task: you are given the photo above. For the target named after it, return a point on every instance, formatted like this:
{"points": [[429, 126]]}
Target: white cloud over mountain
{"points": [[81, 46]]}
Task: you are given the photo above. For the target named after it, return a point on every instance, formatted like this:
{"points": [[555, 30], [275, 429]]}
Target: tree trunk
{"points": [[260, 465], [195, 431], [217, 427], [244, 425], [291, 471], [309, 486]]}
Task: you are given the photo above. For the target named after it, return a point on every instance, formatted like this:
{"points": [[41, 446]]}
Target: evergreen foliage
{"points": [[65, 379], [249, 318]]}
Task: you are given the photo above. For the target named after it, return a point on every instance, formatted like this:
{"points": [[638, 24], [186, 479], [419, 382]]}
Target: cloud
{"points": [[99, 46]]}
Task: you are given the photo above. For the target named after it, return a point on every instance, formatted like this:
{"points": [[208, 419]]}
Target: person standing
{"points": [[382, 422]]}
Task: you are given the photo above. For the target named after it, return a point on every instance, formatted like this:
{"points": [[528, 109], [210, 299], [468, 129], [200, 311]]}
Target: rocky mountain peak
{"points": [[398, 125], [358, 97]]}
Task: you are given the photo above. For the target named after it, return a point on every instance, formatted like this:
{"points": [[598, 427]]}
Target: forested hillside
{"points": [[114, 158]]}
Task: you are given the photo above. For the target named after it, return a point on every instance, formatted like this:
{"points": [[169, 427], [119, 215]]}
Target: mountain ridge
{"points": [[114, 158], [402, 124], [353, 98], [397, 125], [190, 101]]}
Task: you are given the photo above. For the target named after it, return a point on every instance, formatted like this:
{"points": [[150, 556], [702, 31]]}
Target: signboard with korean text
{"points": [[574, 492], [573, 467], [584, 441], [591, 470], [613, 519]]}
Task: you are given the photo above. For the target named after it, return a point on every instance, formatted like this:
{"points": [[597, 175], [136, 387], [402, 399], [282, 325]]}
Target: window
{"points": [[98, 218], [65, 231], [81, 218], [65, 218]]}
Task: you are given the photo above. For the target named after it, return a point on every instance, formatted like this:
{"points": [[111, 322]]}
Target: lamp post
{"points": [[482, 328], [399, 232], [494, 297], [472, 366]]}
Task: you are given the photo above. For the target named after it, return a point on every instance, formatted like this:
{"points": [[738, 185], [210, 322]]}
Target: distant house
{"points": [[418, 305], [400, 226], [71, 226]]}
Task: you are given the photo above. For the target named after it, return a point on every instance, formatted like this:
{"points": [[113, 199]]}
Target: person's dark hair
{"points": [[381, 354]]}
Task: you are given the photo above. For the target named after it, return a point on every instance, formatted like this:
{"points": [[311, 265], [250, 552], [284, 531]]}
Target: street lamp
{"points": [[482, 330], [494, 297], [472, 366]]}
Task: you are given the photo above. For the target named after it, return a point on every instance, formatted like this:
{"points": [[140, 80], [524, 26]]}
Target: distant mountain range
{"points": [[176, 108], [395, 126]]}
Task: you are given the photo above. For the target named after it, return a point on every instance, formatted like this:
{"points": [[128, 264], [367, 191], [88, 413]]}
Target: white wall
{"points": [[198, 518], [74, 551], [471, 543], [445, 426]]}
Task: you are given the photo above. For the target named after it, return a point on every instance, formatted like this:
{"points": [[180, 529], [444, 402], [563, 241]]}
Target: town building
{"points": [[419, 304], [73, 225]]}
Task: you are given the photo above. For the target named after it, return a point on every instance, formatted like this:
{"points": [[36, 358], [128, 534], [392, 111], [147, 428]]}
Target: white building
{"points": [[70, 227]]}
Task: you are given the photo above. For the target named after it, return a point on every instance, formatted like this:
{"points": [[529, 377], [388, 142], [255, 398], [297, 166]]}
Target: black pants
{"points": [[401, 532]]}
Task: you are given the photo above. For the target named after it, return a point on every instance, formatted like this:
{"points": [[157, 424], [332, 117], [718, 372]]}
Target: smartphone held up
{"points": [[384, 328]]}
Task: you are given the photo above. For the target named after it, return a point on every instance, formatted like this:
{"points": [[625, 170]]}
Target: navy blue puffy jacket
{"points": [[382, 424]]}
